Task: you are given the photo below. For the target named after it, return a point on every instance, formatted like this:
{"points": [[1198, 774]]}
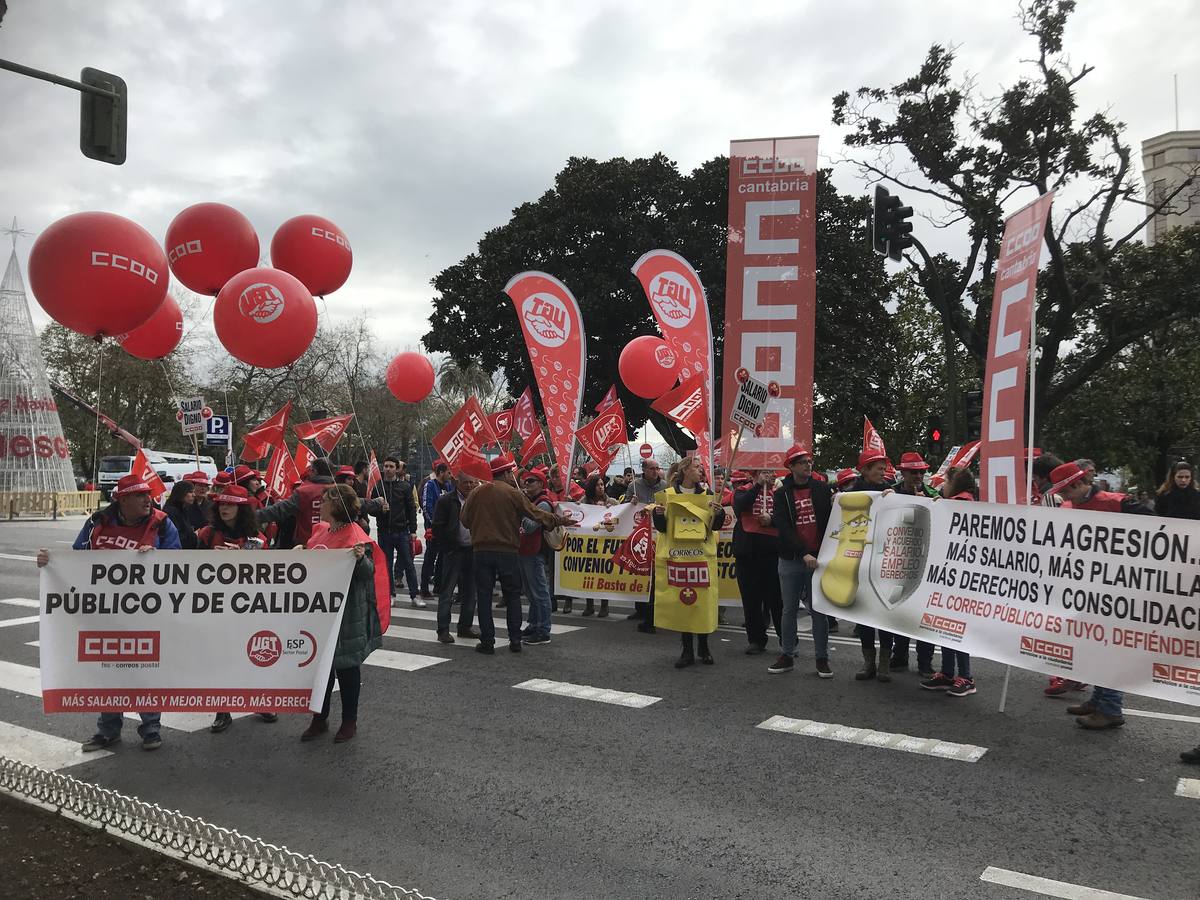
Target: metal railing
{"points": [[249, 860]]}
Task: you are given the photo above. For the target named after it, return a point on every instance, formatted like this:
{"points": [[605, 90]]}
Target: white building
{"points": [[1166, 161]]}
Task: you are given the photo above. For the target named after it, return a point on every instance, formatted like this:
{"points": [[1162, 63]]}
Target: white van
{"points": [[171, 467]]}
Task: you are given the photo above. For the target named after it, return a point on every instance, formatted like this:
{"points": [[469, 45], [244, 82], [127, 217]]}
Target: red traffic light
{"points": [[936, 435]]}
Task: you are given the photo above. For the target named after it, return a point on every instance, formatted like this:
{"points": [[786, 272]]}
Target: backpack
{"points": [[554, 538]]}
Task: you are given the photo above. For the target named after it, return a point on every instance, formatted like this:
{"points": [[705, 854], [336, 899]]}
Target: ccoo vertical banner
{"points": [[770, 290], [553, 328], [1002, 431]]}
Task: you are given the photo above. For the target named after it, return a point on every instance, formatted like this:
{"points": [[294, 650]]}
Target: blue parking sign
{"points": [[217, 432]]}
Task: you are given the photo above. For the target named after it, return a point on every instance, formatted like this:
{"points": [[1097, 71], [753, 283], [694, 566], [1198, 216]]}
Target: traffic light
{"points": [[891, 232], [974, 414], [934, 436], [102, 119]]}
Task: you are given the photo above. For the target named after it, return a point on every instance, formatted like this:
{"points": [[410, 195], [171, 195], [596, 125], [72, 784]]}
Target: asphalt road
{"points": [[463, 786]]}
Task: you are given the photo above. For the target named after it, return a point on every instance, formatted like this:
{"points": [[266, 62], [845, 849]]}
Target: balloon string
{"points": [[207, 309], [304, 407], [99, 401]]}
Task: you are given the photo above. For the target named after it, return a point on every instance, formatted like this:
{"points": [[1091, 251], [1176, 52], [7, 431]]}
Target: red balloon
{"points": [[648, 366], [98, 273], [158, 335], [209, 243], [315, 251], [410, 377], [265, 318]]}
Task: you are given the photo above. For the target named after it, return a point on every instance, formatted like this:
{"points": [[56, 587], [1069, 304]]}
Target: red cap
{"points": [[870, 456], [197, 477], [819, 476], [538, 474], [503, 463], [223, 478], [130, 484], [345, 470], [739, 477], [233, 493], [912, 462], [796, 451], [243, 473], [845, 477], [1066, 474]]}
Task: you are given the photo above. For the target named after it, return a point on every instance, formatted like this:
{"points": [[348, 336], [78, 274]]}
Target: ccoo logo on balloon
{"points": [[547, 319], [263, 303]]}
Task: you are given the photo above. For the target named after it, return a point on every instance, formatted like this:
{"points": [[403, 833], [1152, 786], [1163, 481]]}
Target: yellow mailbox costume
{"points": [[685, 561]]}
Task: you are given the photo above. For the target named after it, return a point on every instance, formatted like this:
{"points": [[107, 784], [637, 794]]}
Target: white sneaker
{"points": [[418, 603]]}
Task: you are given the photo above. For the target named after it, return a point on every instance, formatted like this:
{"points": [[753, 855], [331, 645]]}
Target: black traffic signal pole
{"points": [[101, 122]]}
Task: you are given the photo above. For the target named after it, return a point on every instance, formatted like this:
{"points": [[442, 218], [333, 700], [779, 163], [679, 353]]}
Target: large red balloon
{"points": [[98, 273], [410, 377], [265, 318], [315, 251], [648, 366], [209, 243], [157, 336]]}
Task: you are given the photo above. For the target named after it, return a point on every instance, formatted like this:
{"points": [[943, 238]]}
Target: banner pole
{"points": [[1004, 688], [735, 446]]}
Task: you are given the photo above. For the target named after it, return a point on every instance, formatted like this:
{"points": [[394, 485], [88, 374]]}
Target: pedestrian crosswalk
{"points": [[411, 645]]}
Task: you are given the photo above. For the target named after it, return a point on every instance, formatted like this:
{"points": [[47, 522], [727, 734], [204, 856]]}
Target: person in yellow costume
{"points": [[687, 517]]}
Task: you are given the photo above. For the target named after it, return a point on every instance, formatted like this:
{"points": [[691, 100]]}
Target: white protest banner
{"points": [[1104, 598], [191, 415], [585, 567], [190, 630]]}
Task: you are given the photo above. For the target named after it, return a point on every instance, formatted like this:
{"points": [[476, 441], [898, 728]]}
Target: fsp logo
{"points": [[339, 239], [546, 318], [179, 251], [104, 259], [674, 300], [261, 302], [118, 646]]}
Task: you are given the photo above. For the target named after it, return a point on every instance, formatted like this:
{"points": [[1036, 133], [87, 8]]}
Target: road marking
{"points": [[1170, 717], [22, 679], [1049, 887], [418, 634], [405, 662], [22, 620], [18, 558], [190, 722], [584, 692], [21, 601], [48, 751], [868, 738], [1188, 787], [429, 615]]}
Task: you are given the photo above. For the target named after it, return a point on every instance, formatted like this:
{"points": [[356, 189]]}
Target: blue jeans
{"points": [[924, 656], [492, 566], [537, 588], [397, 548], [795, 583], [109, 724], [1107, 700], [952, 659]]}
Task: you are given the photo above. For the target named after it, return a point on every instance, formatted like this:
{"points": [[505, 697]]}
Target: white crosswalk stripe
{"points": [[866, 737], [21, 601], [1188, 787], [47, 751], [20, 620]]}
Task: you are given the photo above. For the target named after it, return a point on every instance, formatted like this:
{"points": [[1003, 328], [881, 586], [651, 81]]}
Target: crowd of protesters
{"points": [[506, 531]]}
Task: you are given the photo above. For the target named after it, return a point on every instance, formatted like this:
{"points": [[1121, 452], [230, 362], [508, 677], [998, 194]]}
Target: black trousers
{"points": [[350, 681], [685, 638], [758, 583], [866, 637]]}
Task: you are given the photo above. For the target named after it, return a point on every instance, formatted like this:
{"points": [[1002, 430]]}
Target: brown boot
{"points": [[1086, 708], [883, 666], [1098, 721], [316, 728], [868, 670], [346, 732]]}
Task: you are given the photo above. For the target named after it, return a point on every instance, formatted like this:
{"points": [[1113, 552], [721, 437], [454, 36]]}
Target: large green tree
{"points": [[596, 221], [975, 155]]}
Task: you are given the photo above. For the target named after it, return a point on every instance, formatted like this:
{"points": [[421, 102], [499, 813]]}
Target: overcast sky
{"points": [[418, 126]]}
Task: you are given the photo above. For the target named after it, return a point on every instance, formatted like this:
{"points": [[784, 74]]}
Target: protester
{"points": [[130, 521], [1043, 465], [303, 505], [199, 512], [595, 495], [532, 559], [457, 561], [179, 503], [800, 514], [872, 468], [1073, 483], [642, 490], [493, 515], [690, 481], [1177, 496], [912, 483], [721, 490], [620, 484], [361, 630], [756, 556], [396, 526], [955, 677], [250, 480], [435, 488]]}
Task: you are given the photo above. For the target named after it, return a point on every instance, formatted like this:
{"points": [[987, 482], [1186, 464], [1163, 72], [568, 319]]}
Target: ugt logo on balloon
{"points": [[261, 302], [674, 300], [547, 319]]}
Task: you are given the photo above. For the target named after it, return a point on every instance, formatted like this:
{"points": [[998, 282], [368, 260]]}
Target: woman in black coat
{"points": [[1178, 497], [183, 493]]}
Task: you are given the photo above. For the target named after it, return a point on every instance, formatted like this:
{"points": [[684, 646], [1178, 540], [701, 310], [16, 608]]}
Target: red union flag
{"points": [[525, 421], [467, 426], [602, 436], [326, 432], [303, 459], [267, 435], [684, 404], [871, 438], [374, 476], [770, 290], [501, 424], [553, 328], [471, 461], [281, 473], [142, 468], [636, 554], [1002, 444], [679, 304], [609, 398], [535, 445]]}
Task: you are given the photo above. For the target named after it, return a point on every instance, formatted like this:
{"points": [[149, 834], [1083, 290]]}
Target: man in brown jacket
{"points": [[492, 513]]}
